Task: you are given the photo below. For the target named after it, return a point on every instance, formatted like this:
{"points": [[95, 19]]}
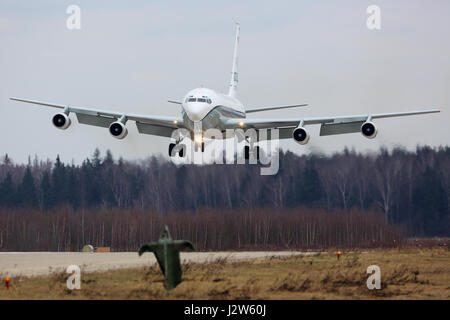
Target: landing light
{"points": [[241, 124], [198, 138], [175, 121]]}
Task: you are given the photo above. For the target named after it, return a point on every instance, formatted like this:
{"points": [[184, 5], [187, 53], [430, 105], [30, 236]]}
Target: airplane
{"points": [[214, 110]]}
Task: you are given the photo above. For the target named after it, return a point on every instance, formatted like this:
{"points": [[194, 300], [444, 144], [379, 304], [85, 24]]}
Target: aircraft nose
{"points": [[195, 111]]}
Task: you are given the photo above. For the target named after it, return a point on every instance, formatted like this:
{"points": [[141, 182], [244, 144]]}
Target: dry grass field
{"points": [[405, 274]]}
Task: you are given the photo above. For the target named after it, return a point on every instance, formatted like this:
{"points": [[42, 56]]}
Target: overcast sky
{"points": [[134, 55]]}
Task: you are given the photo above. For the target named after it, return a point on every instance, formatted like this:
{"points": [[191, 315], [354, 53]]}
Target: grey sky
{"points": [[133, 56]]}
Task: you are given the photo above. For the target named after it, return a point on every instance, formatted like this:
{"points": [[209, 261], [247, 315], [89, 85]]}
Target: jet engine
{"points": [[118, 130], [61, 121], [300, 135], [369, 130]]}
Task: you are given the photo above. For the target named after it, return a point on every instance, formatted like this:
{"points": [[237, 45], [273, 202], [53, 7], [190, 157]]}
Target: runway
{"points": [[30, 264]]}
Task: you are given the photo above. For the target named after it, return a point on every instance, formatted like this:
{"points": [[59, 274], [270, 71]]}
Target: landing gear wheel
{"points": [[247, 152], [175, 149], [171, 146], [182, 152], [197, 146]]}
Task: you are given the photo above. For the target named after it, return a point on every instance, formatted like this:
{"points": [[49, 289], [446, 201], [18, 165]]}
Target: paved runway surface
{"points": [[40, 263]]}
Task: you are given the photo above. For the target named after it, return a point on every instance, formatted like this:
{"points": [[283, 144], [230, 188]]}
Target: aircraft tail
{"points": [[234, 70]]}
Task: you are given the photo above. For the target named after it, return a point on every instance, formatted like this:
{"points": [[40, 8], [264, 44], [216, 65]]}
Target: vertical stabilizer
{"points": [[234, 70]]}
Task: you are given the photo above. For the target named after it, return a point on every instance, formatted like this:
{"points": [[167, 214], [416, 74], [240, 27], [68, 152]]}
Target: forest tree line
{"points": [[409, 188], [66, 229]]}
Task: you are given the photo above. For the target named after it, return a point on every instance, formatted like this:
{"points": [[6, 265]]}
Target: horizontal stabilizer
{"points": [[258, 109]]}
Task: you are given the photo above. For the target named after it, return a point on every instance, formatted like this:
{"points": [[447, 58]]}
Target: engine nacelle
{"points": [[61, 121], [300, 135], [118, 130], [369, 130]]}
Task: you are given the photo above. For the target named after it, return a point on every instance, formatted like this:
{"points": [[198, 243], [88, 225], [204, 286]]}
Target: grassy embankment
{"points": [[405, 274]]}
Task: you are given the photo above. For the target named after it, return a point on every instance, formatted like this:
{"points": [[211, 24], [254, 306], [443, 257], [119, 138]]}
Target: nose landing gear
{"points": [[197, 145]]}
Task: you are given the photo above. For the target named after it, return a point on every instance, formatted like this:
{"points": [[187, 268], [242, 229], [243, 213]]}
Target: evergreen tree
{"points": [[295, 196], [7, 192], [59, 183], [46, 192], [430, 204], [96, 158], [90, 192], [109, 160], [311, 187], [265, 194], [181, 178], [26, 193], [108, 180], [6, 160], [73, 187]]}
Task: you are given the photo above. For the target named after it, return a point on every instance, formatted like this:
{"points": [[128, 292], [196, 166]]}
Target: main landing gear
{"points": [[248, 151], [180, 149], [197, 146], [177, 148]]}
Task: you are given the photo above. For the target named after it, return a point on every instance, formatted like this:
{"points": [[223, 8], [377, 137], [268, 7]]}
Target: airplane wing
{"points": [[329, 125], [146, 124], [258, 109]]}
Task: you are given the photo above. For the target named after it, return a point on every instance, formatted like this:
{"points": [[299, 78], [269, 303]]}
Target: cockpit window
{"points": [[204, 99]]}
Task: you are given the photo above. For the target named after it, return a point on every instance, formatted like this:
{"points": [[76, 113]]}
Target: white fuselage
{"points": [[209, 108]]}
